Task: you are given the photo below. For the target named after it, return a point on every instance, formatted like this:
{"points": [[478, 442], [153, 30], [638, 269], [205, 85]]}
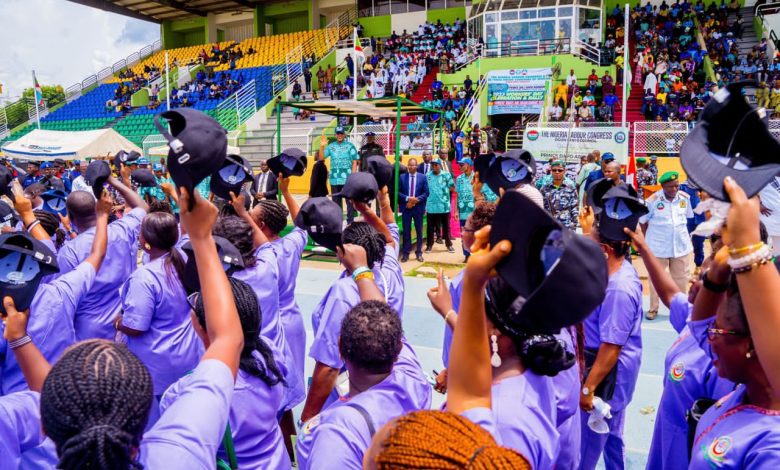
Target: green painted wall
{"points": [[259, 21], [181, 33], [290, 24], [377, 26], [447, 15], [285, 8], [581, 68]]}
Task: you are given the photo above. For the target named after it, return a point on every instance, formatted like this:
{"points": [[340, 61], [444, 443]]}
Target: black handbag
{"points": [[606, 388], [693, 416]]}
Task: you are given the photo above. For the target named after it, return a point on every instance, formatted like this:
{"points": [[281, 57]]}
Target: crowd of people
{"points": [[595, 101]]}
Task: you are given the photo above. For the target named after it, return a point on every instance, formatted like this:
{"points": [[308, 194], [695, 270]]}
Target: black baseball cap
{"points": [[235, 171], [198, 145], [381, 169], [54, 201], [509, 170], [322, 220], [559, 277], [619, 209], [360, 186], [7, 214], [124, 157], [731, 139], [228, 254], [24, 261], [291, 162], [96, 175], [144, 178]]}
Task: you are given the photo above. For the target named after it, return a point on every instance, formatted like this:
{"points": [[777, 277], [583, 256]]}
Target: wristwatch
{"points": [[585, 391]]}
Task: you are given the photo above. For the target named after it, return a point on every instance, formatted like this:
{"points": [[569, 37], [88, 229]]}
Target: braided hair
{"points": [[251, 318], [443, 440], [95, 404], [371, 335], [51, 223], [160, 205], [238, 232], [361, 233], [161, 231], [273, 213]]}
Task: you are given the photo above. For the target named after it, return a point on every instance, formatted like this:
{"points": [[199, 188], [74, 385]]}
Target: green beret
{"points": [[641, 160], [668, 176], [557, 163]]}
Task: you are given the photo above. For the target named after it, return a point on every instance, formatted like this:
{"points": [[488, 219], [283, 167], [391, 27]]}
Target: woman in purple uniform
{"points": [[689, 375], [155, 314], [259, 389], [379, 238], [385, 382], [95, 400]]}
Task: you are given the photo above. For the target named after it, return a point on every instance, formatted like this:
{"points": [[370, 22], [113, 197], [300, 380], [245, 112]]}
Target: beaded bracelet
{"points": [[753, 266], [750, 259], [364, 275], [358, 271], [32, 225], [20, 342]]}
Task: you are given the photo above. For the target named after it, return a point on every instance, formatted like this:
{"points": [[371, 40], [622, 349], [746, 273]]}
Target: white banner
{"points": [[571, 144], [43, 144]]}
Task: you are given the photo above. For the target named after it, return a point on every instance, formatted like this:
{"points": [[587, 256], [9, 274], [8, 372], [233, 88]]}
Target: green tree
{"points": [[53, 95], [17, 113]]}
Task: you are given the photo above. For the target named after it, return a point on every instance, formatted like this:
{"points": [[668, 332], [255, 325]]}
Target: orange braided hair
{"points": [[442, 440]]}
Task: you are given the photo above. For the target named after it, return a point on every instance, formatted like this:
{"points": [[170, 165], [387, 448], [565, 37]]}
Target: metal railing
{"points": [[238, 107], [761, 12], [653, 137], [74, 91], [481, 84], [586, 51], [32, 113], [3, 123], [529, 47], [513, 139]]}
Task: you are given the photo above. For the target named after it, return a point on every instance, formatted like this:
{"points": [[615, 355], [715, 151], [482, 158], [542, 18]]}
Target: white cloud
{"points": [[63, 42]]}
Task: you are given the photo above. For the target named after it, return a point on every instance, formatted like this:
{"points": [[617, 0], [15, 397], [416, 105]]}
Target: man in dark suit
{"points": [[425, 166], [412, 193], [265, 185]]}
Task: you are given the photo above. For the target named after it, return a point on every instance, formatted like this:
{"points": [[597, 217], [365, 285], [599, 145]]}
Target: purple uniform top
{"points": [[154, 302], [190, 430], [22, 443], [456, 286], [343, 295], [618, 321], [288, 251], [263, 277], [566, 386], [338, 437], [486, 419], [525, 410], [257, 438], [99, 308], [50, 325], [734, 435], [689, 376]]}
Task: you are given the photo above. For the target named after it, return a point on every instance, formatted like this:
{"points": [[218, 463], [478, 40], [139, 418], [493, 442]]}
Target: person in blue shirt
{"points": [[698, 241], [34, 174]]}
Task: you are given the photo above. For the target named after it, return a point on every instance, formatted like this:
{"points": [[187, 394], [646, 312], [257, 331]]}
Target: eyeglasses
{"points": [[557, 171], [713, 332]]}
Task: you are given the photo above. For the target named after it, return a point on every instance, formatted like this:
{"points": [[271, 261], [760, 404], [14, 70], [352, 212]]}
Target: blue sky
{"points": [[63, 42]]}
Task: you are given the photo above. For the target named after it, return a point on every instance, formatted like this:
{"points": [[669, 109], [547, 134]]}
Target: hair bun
{"points": [[546, 355]]}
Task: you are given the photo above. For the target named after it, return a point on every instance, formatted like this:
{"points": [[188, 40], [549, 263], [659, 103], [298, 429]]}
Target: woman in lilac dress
{"points": [[259, 390], [155, 313]]}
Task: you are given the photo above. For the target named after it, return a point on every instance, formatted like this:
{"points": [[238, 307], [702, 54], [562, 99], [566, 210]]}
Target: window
{"points": [[381, 7], [564, 11], [397, 6], [434, 4], [508, 15], [547, 13], [364, 8], [490, 17], [527, 14], [416, 5]]}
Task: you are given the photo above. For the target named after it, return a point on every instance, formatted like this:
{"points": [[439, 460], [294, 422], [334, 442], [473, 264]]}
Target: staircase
{"points": [[746, 43], [260, 144], [633, 113], [422, 92]]}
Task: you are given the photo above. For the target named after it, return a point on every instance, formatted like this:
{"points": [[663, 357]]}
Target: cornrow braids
{"points": [[274, 214], [238, 232], [51, 223], [361, 233], [443, 440], [251, 318], [95, 404]]}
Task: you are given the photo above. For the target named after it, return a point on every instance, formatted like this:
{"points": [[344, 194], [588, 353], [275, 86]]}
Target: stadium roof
{"points": [[158, 10]]}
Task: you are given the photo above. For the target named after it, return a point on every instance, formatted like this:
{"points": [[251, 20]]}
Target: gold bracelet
{"points": [[365, 275], [746, 249], [447, 317]]}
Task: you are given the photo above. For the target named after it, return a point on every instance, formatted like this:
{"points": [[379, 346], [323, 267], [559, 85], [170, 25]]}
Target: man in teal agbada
{"points": [[440, 185], [344, 160]]}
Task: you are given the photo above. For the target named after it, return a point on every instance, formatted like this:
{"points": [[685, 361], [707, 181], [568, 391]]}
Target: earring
{"points": [[147, 246], [495, 361], [748, 355]]}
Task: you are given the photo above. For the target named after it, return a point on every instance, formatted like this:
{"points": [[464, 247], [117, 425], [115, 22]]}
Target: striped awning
{"points": [[375, 107]]}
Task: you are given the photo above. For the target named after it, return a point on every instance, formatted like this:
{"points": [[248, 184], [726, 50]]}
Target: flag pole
{"points": [[35, 99], [355, 46], [626, 67], [167, 82]]}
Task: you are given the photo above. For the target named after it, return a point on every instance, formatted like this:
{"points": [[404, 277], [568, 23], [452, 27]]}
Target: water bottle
{"points": [[601, 411]]}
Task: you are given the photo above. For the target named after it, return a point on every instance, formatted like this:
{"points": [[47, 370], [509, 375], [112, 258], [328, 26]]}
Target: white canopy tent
{"points": [[162, 151], [44, 145]]}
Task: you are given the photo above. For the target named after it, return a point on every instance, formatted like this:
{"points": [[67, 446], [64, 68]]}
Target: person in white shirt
{"points": [[80, 183], [770, 212], [571, 79], [666, 231]]}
